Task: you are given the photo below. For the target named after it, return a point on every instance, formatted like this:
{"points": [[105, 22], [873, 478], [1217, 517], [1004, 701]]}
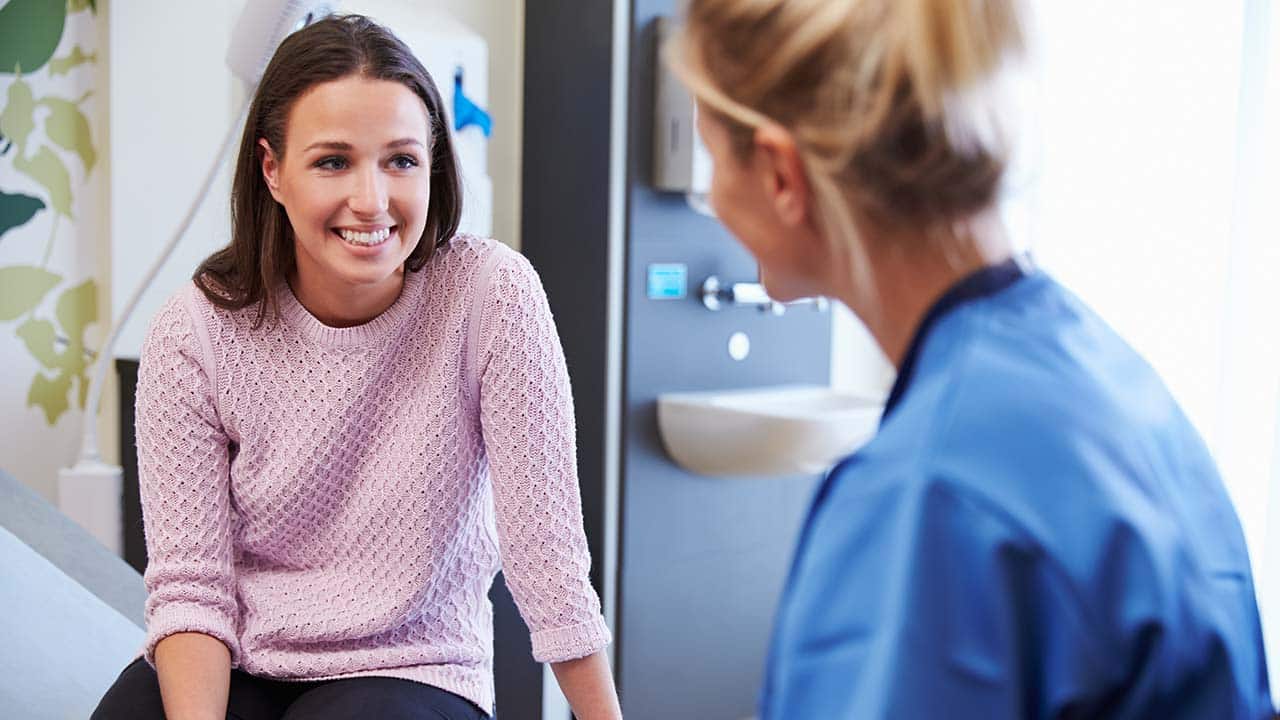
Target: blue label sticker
{"points": [[668, 281]]}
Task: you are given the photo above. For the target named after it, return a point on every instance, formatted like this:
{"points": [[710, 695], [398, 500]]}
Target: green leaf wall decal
{"points": [[50, 395], [16, 209], [40, 338], [46, 169], [69, 128], [82, 390], [29, 33], [18, 118], [22, 287], [77, 308], [62, 66]]}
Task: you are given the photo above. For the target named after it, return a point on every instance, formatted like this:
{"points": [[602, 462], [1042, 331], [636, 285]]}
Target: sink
{"points": [[780, 430]]}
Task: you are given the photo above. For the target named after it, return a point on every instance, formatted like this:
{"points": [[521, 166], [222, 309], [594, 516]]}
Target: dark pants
{"points": [[136, 696]]}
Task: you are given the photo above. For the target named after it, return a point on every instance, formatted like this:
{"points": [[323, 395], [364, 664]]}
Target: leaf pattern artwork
{"points": [[22, 288], [44, 137], [16, 209], [46, 169], [29, 33], [17, 120], [61, 351], [65, 125], [77, 309], [69, 129], [50, 395], [75, 6], [78, 57]]}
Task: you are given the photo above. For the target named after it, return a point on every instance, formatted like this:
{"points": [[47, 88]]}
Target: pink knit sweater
{"points": [[336, 502]]}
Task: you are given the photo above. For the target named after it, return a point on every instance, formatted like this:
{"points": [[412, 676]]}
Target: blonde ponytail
{"points": [[955, 46], [885, 98]]}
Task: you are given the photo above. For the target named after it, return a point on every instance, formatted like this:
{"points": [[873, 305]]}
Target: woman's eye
{"points": [[404, 162], [332, 163]]}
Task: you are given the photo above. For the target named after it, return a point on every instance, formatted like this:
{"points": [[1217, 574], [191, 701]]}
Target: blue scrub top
{"points": [[1036, 532]]}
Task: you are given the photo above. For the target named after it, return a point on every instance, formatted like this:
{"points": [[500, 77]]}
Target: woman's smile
{"points": [[363, 241]]}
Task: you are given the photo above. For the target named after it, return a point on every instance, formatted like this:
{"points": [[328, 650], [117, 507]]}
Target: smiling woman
{"points": [[330, 488]]}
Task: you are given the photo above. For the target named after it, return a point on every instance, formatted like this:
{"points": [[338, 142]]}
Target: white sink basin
{"points": [[781, 430]]}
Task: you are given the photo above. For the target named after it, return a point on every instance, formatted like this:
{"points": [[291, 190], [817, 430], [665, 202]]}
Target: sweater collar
{"points": [[378, 329]]}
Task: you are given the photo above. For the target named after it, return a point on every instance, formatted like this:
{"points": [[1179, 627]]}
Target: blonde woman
{"points": [[1036, 531]]}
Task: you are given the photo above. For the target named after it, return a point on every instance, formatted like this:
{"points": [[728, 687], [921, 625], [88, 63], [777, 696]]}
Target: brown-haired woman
{"points": [[349, 421], [1036, 531]]}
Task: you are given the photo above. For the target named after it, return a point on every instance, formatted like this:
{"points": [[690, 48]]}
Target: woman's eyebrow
{"points": [[404, 141], [328, 145], [338, 145]]}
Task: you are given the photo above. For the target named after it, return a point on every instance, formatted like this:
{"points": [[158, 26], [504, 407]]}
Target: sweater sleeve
{"points": [[526, 412], [183, 469]]}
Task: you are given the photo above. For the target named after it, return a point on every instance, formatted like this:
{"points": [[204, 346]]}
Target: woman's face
{"points": [[354, 181], [763, 200]]}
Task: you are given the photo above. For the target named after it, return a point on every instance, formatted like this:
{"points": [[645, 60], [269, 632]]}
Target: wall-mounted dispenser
{"points": [[680, 161]]}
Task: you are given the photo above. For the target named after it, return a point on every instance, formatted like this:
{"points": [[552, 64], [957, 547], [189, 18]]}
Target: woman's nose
{"points": [[368, 193]]}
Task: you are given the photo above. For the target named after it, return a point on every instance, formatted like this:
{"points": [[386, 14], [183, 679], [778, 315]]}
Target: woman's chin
{"points": [[781, 289], [365, 273]]}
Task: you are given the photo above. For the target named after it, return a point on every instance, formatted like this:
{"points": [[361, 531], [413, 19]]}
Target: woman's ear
{"points": [[781, 170], [270, 168]]}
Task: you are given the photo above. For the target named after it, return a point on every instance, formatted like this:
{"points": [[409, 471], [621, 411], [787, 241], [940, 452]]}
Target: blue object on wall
{"points": [[466, 112], [668, 281]]}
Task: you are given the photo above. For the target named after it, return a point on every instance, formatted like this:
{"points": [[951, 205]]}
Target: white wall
{"points": [[1139, 206], [171, 103], [857, 364]]}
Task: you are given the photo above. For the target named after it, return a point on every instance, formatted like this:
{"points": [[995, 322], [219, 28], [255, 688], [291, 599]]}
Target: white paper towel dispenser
{"points": [[680, 161]]}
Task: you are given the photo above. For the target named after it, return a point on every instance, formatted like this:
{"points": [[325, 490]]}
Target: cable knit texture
{"points": [[335, 502]]}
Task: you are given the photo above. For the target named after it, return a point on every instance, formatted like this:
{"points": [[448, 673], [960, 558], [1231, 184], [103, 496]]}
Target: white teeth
{"points": [[363, 238]]}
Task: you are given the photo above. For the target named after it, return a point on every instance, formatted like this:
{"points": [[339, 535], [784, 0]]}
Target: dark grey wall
{"points": [[564, 210], [564, 229]]}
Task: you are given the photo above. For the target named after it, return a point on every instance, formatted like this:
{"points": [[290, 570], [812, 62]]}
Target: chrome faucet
{"points": [[716, 296]]}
